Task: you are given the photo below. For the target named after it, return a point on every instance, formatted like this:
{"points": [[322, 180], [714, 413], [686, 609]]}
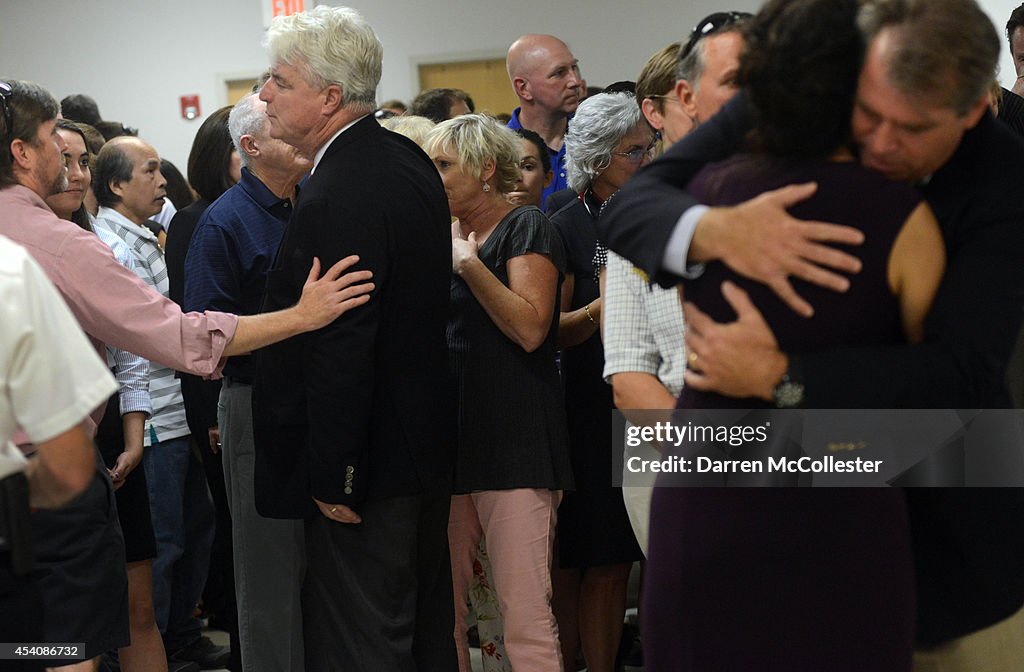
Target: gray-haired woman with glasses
{"points": [[607, 142]]}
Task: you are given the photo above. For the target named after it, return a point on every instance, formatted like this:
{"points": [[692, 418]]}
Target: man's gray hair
{"points": [[601, 122], [945, 50], [247, 117], [331, 45], [691, 68]]}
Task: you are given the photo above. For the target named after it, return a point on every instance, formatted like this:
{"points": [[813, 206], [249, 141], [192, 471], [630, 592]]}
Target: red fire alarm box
{"points": [[190, 107]]}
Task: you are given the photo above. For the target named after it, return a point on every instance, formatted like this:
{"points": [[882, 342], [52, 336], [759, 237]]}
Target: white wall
{"points": [[136, 57]]}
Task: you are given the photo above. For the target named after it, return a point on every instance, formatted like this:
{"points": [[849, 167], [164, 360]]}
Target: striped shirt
{"points": [[131, 371], [168, 419]]}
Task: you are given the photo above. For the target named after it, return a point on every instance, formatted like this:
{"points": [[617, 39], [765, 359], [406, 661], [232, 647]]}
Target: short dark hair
{"points": [[112, 165], [114, 129], [542, 147], [30, 105], [210, 158], [800, 68], [80, 107], [1016, 21], [946, 50], [467, 99], [434, 104]]}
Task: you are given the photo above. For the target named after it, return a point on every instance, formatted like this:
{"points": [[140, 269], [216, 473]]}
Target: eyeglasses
{"points": [[6, 92], [711, 24], [638, 155], [664, 97]]}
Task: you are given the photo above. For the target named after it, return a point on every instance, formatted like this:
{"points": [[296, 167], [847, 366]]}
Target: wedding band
{"points": [[333, 509], [693, 357], [218, 444]]}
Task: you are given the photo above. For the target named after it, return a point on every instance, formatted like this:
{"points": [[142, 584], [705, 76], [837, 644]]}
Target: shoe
{"points": [[204, 653], [181, 666]]}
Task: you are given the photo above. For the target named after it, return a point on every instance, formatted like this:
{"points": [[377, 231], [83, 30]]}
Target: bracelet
{"points": [[586, 309]]}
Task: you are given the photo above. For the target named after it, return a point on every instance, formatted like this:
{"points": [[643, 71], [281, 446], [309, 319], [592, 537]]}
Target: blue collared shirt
{"points": [[231, 251], [557, 161]]}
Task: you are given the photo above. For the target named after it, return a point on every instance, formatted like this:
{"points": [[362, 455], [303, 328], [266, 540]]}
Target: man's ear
{"points": [[115, 187], [248, 144], [687, 98], [522, 88], [20, 154], [650, 111], [333, 98], [974, 114]]}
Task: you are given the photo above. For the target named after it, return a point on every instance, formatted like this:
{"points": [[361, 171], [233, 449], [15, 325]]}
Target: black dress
{"points": [[511, 421], [593, 526], [789, 578]]}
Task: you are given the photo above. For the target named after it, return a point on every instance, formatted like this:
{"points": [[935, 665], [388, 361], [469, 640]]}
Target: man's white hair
{"points": [[331, 45], [247, 117]]}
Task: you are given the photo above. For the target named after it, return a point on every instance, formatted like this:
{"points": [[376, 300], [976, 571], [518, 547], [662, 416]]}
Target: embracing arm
{"points": [[970, 334], [650, 222], [323, 300], [114, 305], [639, 221]]}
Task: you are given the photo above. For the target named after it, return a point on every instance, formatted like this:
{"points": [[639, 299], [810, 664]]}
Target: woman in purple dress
{"points": [[797, 578]]}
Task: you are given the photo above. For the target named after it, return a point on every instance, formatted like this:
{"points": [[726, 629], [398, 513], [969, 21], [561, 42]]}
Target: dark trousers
{"points": [[378, 595], [21, 615]]}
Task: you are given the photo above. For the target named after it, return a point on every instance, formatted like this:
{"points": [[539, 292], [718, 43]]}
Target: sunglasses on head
{"points": [[5, 93], [710, 25]]}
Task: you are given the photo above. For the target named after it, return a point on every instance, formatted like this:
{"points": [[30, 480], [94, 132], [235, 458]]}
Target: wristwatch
{"points": [[789, 393]]}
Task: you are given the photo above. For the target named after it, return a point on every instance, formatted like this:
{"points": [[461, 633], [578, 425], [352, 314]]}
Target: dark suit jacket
{"points": [[968, 545], [1011, 111], [363, 408]]}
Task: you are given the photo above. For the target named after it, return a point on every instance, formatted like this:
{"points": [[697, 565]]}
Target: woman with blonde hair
{"points": [[512, 459]]}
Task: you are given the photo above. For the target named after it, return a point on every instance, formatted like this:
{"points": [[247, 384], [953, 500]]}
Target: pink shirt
{"points": [[110, 302]]}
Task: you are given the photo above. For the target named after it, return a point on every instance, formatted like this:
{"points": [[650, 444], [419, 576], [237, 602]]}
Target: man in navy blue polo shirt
{"points": [[546, 78], [232, 248]]}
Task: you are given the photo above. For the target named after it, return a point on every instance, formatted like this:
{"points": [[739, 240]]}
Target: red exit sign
{"points": [[286, 7]]}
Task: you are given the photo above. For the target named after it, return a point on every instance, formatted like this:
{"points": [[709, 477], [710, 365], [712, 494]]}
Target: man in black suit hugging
{"points": [[920, 116], [354, 424]]}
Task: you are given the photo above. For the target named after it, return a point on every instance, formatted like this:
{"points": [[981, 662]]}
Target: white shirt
{"points": [[323, 148], [50, 375]]}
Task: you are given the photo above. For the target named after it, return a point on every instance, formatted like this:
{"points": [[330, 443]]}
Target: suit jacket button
{"points": [[350, 470], [348, 490]]}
